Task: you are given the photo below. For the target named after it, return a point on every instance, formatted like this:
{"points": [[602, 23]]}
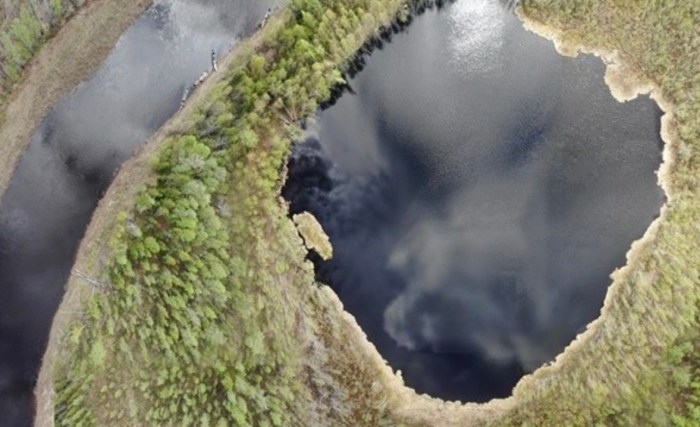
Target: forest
{"points": [[182, 295]]}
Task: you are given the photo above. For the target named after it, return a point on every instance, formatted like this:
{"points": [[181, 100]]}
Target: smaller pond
{"points": [[72, 158], [478, 189]]}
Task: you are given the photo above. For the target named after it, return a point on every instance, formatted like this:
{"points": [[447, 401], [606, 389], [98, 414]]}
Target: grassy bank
{"points": [[40, 63], [24, 28]]}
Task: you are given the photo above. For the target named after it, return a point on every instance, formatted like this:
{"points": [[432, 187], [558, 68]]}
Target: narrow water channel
{"points": [[72, 158], [478, 189]]}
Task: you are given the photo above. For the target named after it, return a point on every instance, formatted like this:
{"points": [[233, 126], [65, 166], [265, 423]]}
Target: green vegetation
{"points": [[685, 372], [202, 313], [24, 28]]}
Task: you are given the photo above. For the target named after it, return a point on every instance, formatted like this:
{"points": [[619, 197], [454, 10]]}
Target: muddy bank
{"points": [[67, 59]]}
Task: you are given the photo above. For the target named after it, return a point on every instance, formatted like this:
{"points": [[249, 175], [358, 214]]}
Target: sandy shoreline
{"points": [[70, 57]]}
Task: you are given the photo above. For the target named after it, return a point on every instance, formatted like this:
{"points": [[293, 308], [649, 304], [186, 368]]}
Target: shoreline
{"points": [[624, 86], [70, 57]]}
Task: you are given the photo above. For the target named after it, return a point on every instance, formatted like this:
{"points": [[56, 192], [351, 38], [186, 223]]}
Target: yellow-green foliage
{"points": [[685, 373], [24, 28], [200, 316]]}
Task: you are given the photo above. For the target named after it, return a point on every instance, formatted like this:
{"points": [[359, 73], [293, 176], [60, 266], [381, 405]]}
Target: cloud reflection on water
{"points": [[479, 191]]}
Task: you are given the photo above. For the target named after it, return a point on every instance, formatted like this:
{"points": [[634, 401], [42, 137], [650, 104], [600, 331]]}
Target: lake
{"points": [[478, 189]]}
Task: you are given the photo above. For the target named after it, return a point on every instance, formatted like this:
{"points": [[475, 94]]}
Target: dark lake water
{"points": [[72, 158], [478, 189]]}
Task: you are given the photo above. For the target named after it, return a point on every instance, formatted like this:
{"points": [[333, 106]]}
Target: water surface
{"points": [[478, 189], [72, 158]]}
